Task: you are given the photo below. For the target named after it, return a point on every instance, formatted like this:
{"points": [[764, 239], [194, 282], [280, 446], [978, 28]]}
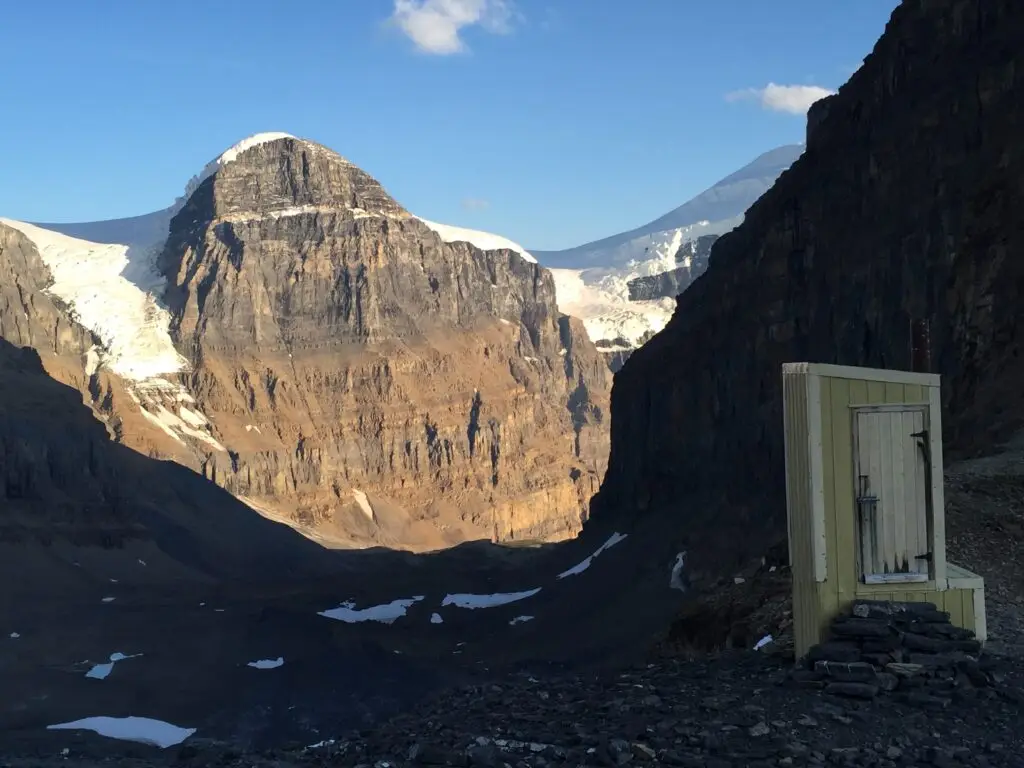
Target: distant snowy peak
{"points": [[713, 212], [592, 281], [485, 241]]}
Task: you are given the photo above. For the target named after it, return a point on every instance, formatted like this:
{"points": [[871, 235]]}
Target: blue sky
{"points": [[553, 122]]}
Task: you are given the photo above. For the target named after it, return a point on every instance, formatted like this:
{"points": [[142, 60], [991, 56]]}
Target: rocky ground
{"points": [[698, 699], [739, 709], [984, 532]]}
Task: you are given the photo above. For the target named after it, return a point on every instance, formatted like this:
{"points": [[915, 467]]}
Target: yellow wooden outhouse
{"points": [[864, 494]]}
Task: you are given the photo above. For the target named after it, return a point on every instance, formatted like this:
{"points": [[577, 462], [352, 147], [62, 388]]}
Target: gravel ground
{"points": [[695, 702], [985, 533], [735, 710]]}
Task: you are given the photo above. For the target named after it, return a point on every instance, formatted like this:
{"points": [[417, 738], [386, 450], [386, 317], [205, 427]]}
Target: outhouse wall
{"points": [[822, 514]]}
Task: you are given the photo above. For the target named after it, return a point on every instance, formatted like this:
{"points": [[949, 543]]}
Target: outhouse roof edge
{"points": [[863, 374]]}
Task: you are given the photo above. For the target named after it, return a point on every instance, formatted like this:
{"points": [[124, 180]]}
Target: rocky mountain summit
{"points": [[304, 342]]}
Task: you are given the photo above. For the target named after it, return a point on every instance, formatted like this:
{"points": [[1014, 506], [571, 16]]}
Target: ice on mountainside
{"points": [[599, 296], [485, 241], [92, 279]]}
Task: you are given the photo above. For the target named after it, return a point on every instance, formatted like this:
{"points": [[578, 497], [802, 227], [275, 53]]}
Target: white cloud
{"points": [[795, 99], [475, 204], [435, 26]]}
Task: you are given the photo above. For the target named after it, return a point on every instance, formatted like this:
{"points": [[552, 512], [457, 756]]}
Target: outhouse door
{"points": [[892, 487]]}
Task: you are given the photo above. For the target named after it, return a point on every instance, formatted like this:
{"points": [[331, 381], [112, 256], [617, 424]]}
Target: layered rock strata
{"points": [[335, 364], [370, 379]]}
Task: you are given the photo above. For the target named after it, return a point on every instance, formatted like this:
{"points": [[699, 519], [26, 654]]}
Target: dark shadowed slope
{"points": [[67, 485], [904, 206]]}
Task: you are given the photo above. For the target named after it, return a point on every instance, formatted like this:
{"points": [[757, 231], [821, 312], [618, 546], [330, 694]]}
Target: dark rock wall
{"points": [[905, 206]]}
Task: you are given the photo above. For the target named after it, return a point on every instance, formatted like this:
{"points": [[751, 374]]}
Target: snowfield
{"points": [[110, 289], [605, 309], [599, 296], [605, 266], [485, 241]]}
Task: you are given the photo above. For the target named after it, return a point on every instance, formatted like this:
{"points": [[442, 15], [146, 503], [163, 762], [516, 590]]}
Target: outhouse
{"points": [[864, 496]]}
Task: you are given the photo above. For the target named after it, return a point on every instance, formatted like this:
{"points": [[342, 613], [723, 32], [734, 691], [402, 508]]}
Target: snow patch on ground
{"points": [[485, 241], [14, 635], [473, 602], [321, 744], [295, 210], [101, 671], [580, 567], [387, 613], [142, 730], [186, 422], [675, 580], [520, 620], [267, 663], [435, 618]]}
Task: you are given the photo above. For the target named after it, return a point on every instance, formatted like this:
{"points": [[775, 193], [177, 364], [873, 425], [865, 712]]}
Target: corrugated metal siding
{"points": [[799, 510]]}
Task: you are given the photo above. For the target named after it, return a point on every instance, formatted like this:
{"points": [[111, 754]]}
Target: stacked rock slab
{"points": [[911, 650]]}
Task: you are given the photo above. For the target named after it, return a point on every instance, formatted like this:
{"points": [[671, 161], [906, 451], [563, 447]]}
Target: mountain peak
{"points": [[251, 141], [716, 210], [277, 174]]}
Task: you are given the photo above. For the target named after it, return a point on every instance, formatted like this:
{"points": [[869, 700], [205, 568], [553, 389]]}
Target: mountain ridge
{"points": [[595, 281], [721, 202], [310, 309]]}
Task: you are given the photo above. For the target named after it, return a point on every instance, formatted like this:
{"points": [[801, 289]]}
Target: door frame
{"points": [[924, 408]]}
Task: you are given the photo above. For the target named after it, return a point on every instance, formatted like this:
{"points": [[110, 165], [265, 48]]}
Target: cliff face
{"points": [[368, 381], [65, 479], [904, 207], [45, 474]]}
